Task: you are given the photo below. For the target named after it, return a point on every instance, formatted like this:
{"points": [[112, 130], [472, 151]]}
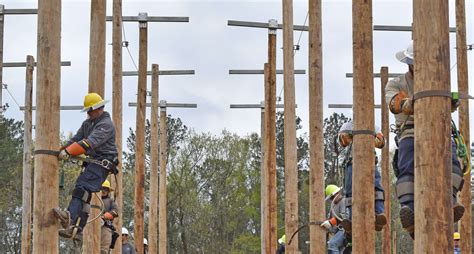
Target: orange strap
{"points": [[108, 216], [333, 221], [75, 149]]}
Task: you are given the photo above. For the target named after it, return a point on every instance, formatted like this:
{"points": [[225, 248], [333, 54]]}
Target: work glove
{"points": [[108, 216], [63, 155], [407, 106], [379, 140], [326, 224]]}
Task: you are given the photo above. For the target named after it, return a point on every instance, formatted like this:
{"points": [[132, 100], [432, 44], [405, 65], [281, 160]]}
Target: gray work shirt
{"points": [[100, 135], [128, 248], [401, 83]]}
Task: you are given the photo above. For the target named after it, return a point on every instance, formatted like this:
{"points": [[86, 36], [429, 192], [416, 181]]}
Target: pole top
{"points": [[272, 24], [142, 17]]}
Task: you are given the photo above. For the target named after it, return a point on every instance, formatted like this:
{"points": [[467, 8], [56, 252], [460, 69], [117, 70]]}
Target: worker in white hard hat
{"points": [[400, 100], [95, 139], [145, 246], [127, 247]]}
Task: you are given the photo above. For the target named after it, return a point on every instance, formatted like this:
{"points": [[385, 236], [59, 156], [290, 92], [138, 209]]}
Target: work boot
{"points": [[407, 218], [346, 225], [458, 211], [71, 232], [63, 216], [380, 221]]}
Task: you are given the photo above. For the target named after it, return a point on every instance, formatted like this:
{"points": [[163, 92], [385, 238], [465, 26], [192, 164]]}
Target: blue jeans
{"points": [[406, 167], [379, 204], [336, 243], [89, 180]]}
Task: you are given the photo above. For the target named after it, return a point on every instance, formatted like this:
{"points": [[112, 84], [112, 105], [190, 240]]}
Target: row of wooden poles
{"points": [[432, 72]]}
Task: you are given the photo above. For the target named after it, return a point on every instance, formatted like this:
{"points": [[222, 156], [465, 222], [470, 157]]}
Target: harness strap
{"points": [[431, 93]]}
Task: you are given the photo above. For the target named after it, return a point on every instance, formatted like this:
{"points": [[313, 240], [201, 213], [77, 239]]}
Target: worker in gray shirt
{"points": [[127, 247]]}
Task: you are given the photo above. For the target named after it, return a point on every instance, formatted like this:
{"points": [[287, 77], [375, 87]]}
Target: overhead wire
{"points": [[125, 45], [295, 48], [11, 95]]}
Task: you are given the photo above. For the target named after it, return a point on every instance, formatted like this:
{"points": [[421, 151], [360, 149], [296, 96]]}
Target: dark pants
{"points": [[406, 166], [90, 180], [379, 204]]}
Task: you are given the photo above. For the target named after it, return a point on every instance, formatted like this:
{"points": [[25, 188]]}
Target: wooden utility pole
{"points": [[92, 233], [27, 160], [463, 88], [385, 166], [117, 113], [363, 145], [139, 204], [163, 243], [4, 12], [154, 157], [433, 187], [46, 196], [317, 235], [140, 135], [291, 170]]}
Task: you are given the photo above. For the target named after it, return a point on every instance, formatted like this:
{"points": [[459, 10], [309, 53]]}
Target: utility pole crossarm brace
{"points": [[164, 104], [402, 28], [262, 106], [23, 64], [61, 108], [377, 75], [161, 72], [151, 19], [263, 25], [18, 11], [261, 72], [377, 106]]}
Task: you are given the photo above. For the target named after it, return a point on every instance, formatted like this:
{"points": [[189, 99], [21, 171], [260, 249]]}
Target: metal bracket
{"points": [[142, 19], [272, 26], [2, 9]]}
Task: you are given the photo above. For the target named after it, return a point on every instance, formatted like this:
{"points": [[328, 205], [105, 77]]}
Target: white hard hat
{"points": [[406, 56], [124, 231], [145, 242]]}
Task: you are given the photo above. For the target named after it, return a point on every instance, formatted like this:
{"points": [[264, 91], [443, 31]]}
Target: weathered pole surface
{"points": [[387, 238], [264, 227], [91, 234], [154, 157], [433, 188], [117, 112], [291, 170], [97, 45], [46, 194], [317, 235], [463, 87], [2, 22], [270, 141], [140, 136], [163, 236], [363, 145], [27, 159]]}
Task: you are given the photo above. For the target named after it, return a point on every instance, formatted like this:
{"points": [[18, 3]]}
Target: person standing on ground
{"points": [[110, 213], [127, 247]]}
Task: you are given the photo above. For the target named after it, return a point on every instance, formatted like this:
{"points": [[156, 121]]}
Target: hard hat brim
{"points": [[96, 106], [402, 57]]}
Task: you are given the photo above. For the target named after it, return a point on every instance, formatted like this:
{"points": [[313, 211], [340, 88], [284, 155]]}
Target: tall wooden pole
{"points": [[271, 234], [387, 238], [291, 170], [463, 87], [140, 137], [163, 236], [97, 46], [264, 227], [2, 21], [45, 237], [117, 112], [363, 145], [91, 234], [433, 188], [153, 216], [317, 208], [27, 159]]}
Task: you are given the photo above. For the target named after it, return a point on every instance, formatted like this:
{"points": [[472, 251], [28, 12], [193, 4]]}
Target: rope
{"points": [[102, 208]]}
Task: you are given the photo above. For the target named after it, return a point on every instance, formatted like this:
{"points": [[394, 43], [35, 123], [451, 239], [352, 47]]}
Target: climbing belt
{"points": [[461, 149]]}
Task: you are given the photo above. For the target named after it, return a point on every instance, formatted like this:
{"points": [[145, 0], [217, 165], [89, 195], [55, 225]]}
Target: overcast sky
{"points": [[210, 47]]}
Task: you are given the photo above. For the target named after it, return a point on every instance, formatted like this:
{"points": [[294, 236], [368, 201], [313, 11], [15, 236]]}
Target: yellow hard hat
{"points": [[282, 240], [457, 236], [331, 190], [106, 184], [93, 101]]}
